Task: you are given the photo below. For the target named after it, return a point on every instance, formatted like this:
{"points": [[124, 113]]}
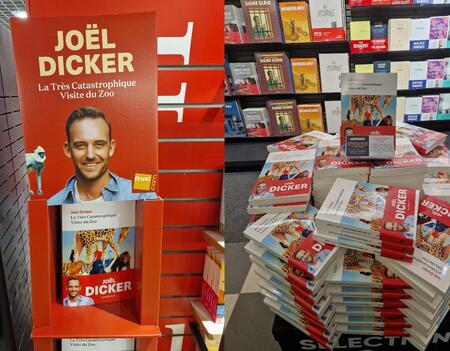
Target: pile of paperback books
{"points": [[372, 257]]}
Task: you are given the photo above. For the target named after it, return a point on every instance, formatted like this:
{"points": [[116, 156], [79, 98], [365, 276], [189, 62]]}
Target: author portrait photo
{"points": [[73, 298]]}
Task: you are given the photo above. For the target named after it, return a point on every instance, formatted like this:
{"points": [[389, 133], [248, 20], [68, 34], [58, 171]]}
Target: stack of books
{"points": [[285, 180], [308, 140], [437, 179], [406, 169], [212, 294], [368, 297], [428, 274], [424, 140], [369, 217], [330, 165], [293, 266]]}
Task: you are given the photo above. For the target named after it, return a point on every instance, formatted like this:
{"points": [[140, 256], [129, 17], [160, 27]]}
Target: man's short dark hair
{"points": [[85, 112], [72, 278]]}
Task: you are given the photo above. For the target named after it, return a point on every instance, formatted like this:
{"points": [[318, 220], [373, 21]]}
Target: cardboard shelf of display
{"points": [[215, 238], [398, 11], [207, 326], [407, 55], [136, 318], [260, 99]]}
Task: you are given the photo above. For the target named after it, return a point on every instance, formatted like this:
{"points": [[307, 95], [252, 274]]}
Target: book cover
{"points": [[438, 32], [295, 21], [399, 33], [402, 70], [420, 34], [429, 107], [331, 67], [364, 68], [444, 107], [446, 82], [245, 78], [283, 117], [233, 26], [257, 122], [234, 124], [261, 18], [97, 252], [274, 72], [435, 73], [382, 66], [333, 116], [413, 109], [285, 177], [306, 75], [379, 37], [431, 256], [368, 103], [228, 79], [311, 117], [243, 25], [418, 71], [97, 344], [424, 140], [400, 111], [95, 77], [438, 159], [308, 140], [327, 20], [390, 213], [360, 30]]}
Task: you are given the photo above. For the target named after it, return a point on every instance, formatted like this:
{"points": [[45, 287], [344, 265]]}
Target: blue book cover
{"points": [[379, 31], [234, 125], [228, 79], [381, 66]]}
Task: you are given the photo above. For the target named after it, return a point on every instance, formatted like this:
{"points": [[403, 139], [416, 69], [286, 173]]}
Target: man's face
{"points": [[89, 148], [261, 188], [73, 288], [303, 256], [393, 226], [270, 74]]}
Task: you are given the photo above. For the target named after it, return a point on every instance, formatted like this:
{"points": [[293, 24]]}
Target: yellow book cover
{"points": [[310, 117], [364, 68], [306, 75], [360, 30], [295, 21]]}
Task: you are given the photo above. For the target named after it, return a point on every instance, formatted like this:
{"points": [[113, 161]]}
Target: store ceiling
{"points": [[10, 8]]}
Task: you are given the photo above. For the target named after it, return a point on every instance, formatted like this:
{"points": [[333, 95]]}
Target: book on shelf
{"points": [[382, 66], [295, 21], [311, 117], [399, 33], [435, 73], [364, 68], [243, 25], [212, 293], [360, 30], [333, 116], [413, 109], [306, 75], [257, 122], [368, 115], [284, 178], [327, 20], [400, 111], [331, 67], [419, 34], [438, 32], [444, 107], [446, 82], [97, 253], [234, 124], [308, 140], [233, 25], [424, 140], [245, 78], [379, 37], [228, 80], [262, 21], [418, 71], [402, 70], [283, 117], [274, 72], [430, 105]]}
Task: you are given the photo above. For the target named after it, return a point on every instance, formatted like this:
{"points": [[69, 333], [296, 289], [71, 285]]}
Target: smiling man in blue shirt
{"points": [[73, 298], [90, 146]]}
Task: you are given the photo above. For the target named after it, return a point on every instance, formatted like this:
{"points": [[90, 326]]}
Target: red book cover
{"points": [[87, 88]]}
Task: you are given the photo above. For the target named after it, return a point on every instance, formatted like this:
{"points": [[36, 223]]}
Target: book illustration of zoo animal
{"points": [[359, 103], [35, 162], [88, 238], [75, 268], [121, 262]]}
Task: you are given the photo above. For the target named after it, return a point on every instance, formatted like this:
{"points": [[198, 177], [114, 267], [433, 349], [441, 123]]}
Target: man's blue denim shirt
{"points": [[82, 301], [117, 189]]}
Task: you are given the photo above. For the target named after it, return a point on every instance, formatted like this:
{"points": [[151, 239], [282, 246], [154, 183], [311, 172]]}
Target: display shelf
{"points": [[246, 157], [381, 12], [101, 321], [215, 238], [439, 126], [260, 100], [407, 55], [207, 326]]}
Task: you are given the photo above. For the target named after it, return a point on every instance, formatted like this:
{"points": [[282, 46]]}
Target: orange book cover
{"points": [[295, 21], [88, 96], [306, 75], [310, 117]]}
